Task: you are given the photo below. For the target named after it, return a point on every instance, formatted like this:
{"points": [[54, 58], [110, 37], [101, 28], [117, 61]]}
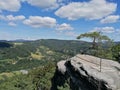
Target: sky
{"points": [[58, 19]]}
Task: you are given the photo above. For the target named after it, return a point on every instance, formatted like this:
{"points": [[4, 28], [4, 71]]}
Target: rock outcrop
{"points": [[84, 72]]}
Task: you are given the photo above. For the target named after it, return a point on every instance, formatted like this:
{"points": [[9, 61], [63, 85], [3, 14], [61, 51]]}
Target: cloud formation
{"points": [[64, 27], [110, 19], [104, 29], [48, 4], [94, 9], [15, 5], [9, 5], [15, 18], [38, 21], [12, 18]]}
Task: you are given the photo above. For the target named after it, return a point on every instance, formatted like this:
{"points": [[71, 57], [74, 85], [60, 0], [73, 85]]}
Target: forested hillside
{"points": [[17, 55]]}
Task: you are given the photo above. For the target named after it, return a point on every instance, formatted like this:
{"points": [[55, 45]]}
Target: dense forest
{"points": [[29, 65]]}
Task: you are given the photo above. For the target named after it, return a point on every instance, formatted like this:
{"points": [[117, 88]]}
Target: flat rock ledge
{"points": [[87, 72]]}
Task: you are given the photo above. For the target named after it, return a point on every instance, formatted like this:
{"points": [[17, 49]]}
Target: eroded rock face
{"points": [[84, 73]]}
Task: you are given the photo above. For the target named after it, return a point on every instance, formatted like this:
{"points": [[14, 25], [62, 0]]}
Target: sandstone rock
{"points": [[88, 73], [61, 66]]}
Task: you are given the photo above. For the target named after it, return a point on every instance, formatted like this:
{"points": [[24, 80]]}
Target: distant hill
{"points": [[19, 40], [15, 55], [117, 42], [5, 44], [65, 45], [22, 54]]}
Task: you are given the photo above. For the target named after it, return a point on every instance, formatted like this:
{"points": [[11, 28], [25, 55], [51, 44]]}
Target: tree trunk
{"points": [[94, 43]]}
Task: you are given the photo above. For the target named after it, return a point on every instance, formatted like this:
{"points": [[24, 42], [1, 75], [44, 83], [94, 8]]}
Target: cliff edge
{"points": [[85, 72]]}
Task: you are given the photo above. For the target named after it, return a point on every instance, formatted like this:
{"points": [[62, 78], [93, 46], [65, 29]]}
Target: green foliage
{"points": [[42, 76], [95, 36], [65, 47], [101, 44], [17, 82], [19, 57], [89, 35], [116, 52], [21, 64], [36, 78], [4, 44], [66, 86]]}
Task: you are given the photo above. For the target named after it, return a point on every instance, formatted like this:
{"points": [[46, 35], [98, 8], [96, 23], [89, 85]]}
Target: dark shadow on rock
{"points": [[77, 81], [58, 80]]}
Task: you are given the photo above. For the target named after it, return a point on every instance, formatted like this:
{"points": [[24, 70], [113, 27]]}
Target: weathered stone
{"points": [[89, 73], [61, 66]]}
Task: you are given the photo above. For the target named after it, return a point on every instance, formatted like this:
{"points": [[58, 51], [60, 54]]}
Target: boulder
{"points": [[87, 72]]}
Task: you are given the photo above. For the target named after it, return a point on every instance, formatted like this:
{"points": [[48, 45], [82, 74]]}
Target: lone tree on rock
{"points": [[95, 36]]}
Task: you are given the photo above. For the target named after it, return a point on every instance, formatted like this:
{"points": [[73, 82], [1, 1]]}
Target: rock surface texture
{"points": [[86, 72]]}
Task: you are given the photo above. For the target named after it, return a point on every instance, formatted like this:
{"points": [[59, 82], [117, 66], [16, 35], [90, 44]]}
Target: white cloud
{"points": [[64, 27], [49, 4], [12, 24], [9, 5], [104, 29], [94, 9], [12, 18], [38, 21], [15, 18], [110, 19]]}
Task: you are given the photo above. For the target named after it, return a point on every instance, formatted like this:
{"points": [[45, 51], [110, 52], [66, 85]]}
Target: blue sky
{"points": [[58, 19]]}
